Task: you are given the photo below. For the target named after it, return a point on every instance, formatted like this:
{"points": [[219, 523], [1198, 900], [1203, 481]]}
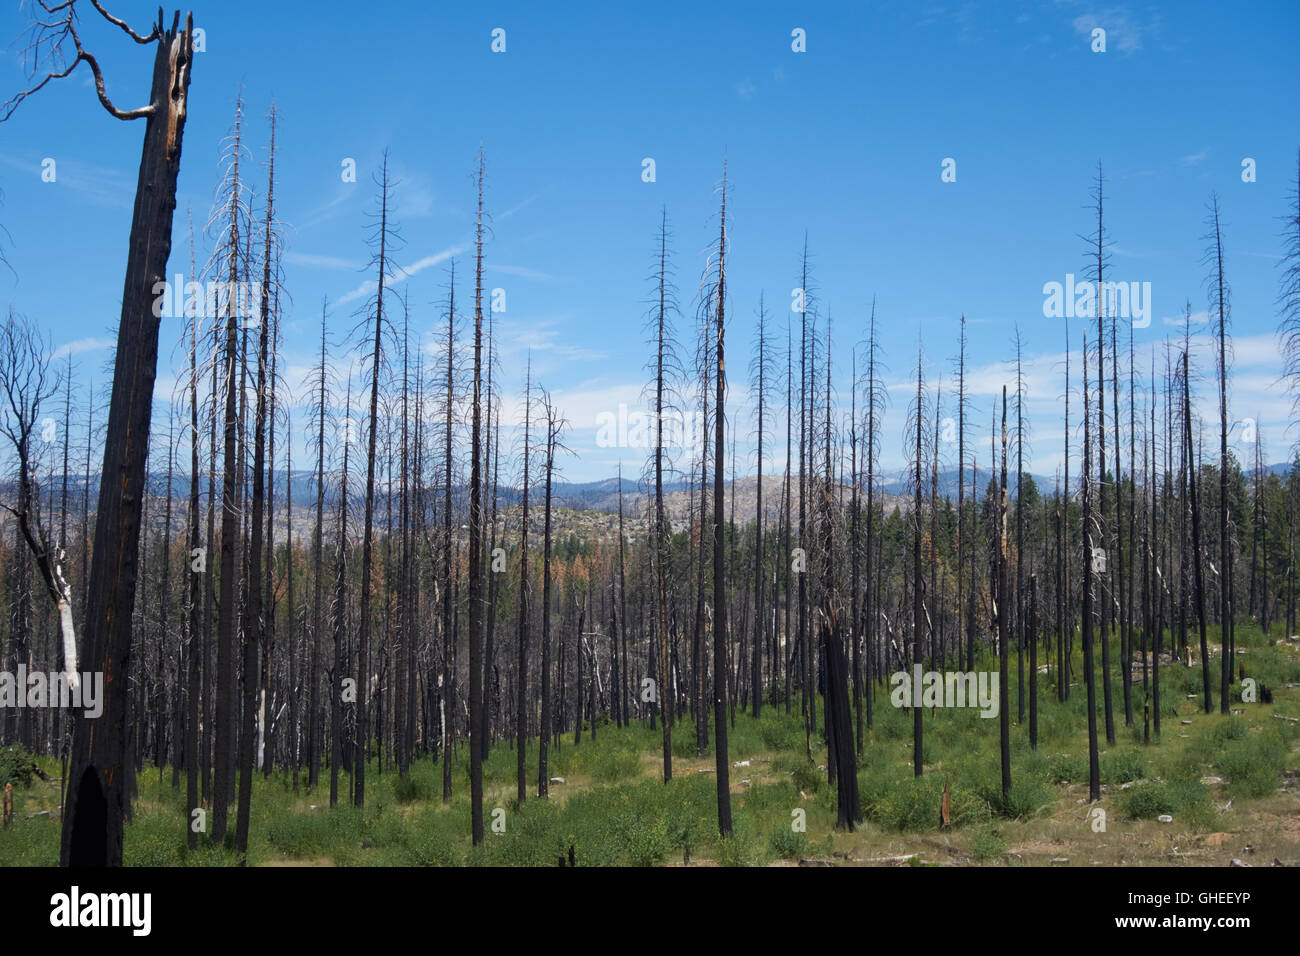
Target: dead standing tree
{"points": [[26, 382], [713, 299], [1219, 306], [382, 238], [555, 426], [92, 815], [1288, 299], [667, 370], [476, 539], [230, 222], [917, 439]]}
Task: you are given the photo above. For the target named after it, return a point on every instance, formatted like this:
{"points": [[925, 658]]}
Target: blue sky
{"points": [[844, 142]]}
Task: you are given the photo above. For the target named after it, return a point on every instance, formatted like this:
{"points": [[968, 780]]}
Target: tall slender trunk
{"points": [[95, 799], [1101, 458], [719, 564], [230, 475], [448, 589], [197, 639], [1004, 610], [1226, 608], [544, 731], [873, 592], [1197, 558], [969, 663], [367, 532], [918, 606], [806, 702], [337, 676], [663, 695], [756, 663], [1020, 540], [318, 542], [521, 677], [1120, 583], [1089, 665]]}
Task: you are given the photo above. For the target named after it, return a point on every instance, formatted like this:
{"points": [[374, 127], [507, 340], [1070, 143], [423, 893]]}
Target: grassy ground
{"points": [[1231, 785]]}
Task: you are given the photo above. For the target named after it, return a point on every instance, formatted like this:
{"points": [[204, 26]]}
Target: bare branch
{"points": [[50, 35], [121, 23]]}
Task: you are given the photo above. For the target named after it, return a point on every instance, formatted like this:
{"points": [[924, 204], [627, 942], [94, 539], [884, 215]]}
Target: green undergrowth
{"points": [[612, 807]]}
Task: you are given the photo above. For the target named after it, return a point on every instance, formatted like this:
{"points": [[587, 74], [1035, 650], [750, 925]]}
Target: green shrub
{"points": [[787, 844], [741, 848], [531, 837], [315, 833], [614, 765], [16, 766], [1064, 768], [153, 839], [1146, 801], [1028, 796], [1234, 728], [1254, 766], [909, 805], [32, 842], [434, 838], [1192, 804], [784, 735], [892, 723], [1187, 801], [645, 841], [1123, 766], [411, 788], [913, 803], [684, 739], [986, 843], [778, 797], [803, 775]]}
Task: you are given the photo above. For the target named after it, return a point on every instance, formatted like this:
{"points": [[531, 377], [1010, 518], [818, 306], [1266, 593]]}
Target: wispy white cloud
{"points": [[77, 346], [101, 184], [401, 274], [330, 209], [1195, 319], [581, 404], [412, 196], [543, 335], [1123, 32], [320, 262], [516, 208]]}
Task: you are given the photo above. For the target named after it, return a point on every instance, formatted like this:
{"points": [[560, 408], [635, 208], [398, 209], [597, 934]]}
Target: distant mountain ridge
{"points": [[600, 495]]}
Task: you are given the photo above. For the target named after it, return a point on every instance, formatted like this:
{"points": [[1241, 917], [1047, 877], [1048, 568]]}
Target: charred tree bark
{"points": [[1090, 681], [93, 812], [719, 557], [1198, 573], [1003, 611], [475, 541], [544, 732]]}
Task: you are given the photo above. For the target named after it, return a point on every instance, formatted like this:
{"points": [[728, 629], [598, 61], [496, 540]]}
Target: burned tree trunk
{"points": [[544, 732], [719, 567], [1003, 609], [1089, 665], [1198, 573], [93, 812]]}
